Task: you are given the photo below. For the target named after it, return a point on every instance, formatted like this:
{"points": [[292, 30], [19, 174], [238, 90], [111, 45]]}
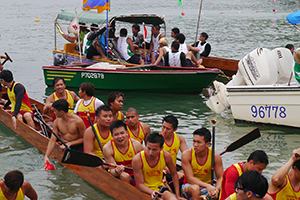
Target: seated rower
{"points": [[91, 46], [202, 46], [15, 187], [87, 103], [115, 100], [196, 164], [164, 48], [18, 98], [69, 126], [136, 130], [60, 93], [175, 57], [187, 49], [148, 166], [104, 118], [121, 151], [126, 49], [137, 37]]}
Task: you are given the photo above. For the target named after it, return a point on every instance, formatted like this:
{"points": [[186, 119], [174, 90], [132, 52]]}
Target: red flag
{"points": [[145, 30]]}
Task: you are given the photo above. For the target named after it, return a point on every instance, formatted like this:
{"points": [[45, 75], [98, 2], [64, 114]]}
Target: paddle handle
{"points": [[93, 128], [213, 150], [162, 189], [114, 165]]}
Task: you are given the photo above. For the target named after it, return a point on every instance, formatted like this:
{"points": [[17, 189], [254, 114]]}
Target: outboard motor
{"points": [[60, 59]]}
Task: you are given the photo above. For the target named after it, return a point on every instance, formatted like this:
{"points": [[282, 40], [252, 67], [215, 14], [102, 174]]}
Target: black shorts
{"points": [[92, 51], [188, 63], [135, 59]]}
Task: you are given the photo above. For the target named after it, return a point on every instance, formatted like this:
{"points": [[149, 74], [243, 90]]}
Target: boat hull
{"points": [[96, 176], [158, 80], [278, 105]]}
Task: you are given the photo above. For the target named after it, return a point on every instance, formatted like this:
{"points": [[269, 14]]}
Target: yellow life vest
{"points": [[153, 175], [69, 99], [103, 141], [82, 112], [25, 105]]}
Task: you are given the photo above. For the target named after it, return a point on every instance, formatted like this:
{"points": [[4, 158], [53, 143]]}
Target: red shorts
{"points": [[22, 112]]}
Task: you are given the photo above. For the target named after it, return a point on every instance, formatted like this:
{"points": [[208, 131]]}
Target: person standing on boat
{"points": [[18, 98], [251, 185], [61, 93], [148, 166], [126, 49], [15, 187], [154, 46], [164, 48], [121, 151], [136, 130], [87, 103], [202, 46], [69, 126], [104, 118], [285, 183], [174, 57], [115, 100], [258, 161], [187, 50], [174, 32], [197, 166]]}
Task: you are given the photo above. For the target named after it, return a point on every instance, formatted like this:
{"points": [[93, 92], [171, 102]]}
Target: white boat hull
{"points": [[279, 105]]}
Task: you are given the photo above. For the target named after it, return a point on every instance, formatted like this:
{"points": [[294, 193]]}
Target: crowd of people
{"points": [[136, 50], [151, 155]]}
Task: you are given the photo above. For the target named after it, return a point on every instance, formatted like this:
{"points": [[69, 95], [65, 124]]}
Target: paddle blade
{"points": [[49, 166], [80, 158], [249, 137]]}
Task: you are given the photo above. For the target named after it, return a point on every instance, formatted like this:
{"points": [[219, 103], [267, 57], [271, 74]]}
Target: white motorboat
{"points": [[264, 89]]}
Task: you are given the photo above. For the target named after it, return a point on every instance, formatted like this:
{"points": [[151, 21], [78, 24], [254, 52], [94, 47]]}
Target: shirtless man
{"points": [[61, 93], [115, 101], [155, 37], [121, 151], [136, 130], [18, 98], [87, 103], [104, 118], [69, 126], [148, 166]]}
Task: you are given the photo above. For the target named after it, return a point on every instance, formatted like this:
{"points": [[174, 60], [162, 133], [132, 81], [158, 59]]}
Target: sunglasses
{"points": [[246, 190]]}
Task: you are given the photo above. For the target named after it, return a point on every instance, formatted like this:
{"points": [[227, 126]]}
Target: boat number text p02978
{"points": [[268, 111], [92, 75]]}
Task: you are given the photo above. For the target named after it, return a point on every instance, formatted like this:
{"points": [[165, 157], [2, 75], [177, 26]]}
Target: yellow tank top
{"points": [[119, 115], [20, 194], [173, 148], [69, 99], [91, 108], [287, 192], [103, 141], [202, 172], [153, 175], [124, 158], [25, 105], [141, 134]]}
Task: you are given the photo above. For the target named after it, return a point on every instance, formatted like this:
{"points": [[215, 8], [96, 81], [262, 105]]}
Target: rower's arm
{"points": [[29, 191], [75, 97], [50, 147], [88, 141], [218, 169], [129, 41], [19, 90], [161, 53], [173, 171], [48, 104], [138, 174], [193, 49], [183, 145]]}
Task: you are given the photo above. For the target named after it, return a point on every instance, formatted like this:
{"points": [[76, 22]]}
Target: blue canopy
{"points": [[294, 18]]}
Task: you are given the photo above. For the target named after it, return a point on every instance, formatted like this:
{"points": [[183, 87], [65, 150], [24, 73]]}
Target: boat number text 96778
{"points": [[268, 111], [92, 75]]}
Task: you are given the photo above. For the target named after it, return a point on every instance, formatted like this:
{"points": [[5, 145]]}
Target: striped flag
{"points": [[100, 5]]}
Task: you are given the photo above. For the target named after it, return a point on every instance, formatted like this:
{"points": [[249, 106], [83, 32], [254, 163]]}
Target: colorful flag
{"points": [[74, 26], [179, 2], [145, 30], [100, 5]]}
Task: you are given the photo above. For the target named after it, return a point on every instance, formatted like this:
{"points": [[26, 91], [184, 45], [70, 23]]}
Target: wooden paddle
{"points": [[84, 159], [93, 128], [213, 150], [249, 137]]}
